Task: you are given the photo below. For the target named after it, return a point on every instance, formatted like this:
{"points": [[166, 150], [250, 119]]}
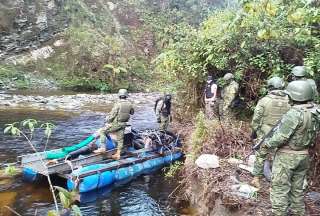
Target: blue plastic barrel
{"points": [[29, 175], [103, 179], [94, 181]]}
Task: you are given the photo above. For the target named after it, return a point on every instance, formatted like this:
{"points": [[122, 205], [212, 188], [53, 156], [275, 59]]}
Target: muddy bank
{"points": [[70, 102]]}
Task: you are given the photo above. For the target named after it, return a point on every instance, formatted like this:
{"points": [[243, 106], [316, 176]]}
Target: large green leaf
{"points": [[76, 210], [7, 129], [65, 201], [65, 192]]}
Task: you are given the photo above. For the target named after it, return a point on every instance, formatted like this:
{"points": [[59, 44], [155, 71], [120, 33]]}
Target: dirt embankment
{"points": [[215, 192]]}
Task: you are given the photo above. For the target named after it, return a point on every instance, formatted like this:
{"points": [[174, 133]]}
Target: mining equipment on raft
{"points": [[98, 170]]}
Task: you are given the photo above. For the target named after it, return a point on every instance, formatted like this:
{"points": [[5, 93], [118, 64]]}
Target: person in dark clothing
{"points": [[162, 109]]}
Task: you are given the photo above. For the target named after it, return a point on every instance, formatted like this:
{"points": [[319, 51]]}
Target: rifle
{"points": [[256, 147]]}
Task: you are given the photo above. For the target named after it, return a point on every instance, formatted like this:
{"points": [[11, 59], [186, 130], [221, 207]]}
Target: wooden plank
{"points": [[83, 161], [29, 158], [62, 166]]}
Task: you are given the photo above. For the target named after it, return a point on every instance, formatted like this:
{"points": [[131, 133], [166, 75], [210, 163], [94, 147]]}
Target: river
{"points": [[146, 195]]}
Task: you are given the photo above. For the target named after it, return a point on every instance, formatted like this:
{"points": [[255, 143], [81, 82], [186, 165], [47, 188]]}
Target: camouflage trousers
{"points": [[288, 174], [164, 122], [261, 156], [115, 128], [209, 109], [225, 111]]}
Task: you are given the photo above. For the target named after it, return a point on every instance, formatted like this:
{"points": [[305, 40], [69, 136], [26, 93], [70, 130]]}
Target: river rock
{"points": [[251, 160], [69, 102], [234, 161], [244, 190], [207, 161]]}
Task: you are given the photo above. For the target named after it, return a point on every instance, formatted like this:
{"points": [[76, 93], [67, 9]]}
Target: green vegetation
{"points": [[26, 129], [173, 169], [67, 199], [255, 41], [198, 136], [12, 76], [124, 34]]}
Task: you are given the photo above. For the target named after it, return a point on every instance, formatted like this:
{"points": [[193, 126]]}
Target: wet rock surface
{"points": [[71, 102]]}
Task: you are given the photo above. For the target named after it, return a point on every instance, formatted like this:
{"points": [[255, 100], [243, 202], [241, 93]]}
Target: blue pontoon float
{"points": [[97, 170]]}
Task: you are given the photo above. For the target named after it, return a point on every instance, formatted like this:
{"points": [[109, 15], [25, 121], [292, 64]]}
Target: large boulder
{"points": [[207, 161]]}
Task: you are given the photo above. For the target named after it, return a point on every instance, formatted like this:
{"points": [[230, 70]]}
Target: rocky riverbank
{"points": [[74, 102]]}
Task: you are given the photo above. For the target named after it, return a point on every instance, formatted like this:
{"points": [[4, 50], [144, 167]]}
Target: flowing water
{"points": [[146, 195]]}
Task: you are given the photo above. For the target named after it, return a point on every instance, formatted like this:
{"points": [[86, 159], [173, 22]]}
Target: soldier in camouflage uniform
{"points": [[299, 73], [267, 113], [292, 138], [162, 109], [117, 121], [228, 94]]}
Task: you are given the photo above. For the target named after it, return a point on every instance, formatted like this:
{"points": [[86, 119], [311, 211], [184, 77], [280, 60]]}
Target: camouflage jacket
{"points": [[120, 112], [269, 110], [297, 129], [229, 93]]}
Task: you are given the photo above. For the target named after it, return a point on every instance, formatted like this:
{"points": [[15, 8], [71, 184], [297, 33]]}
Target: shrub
{"points": [[259, 39]]}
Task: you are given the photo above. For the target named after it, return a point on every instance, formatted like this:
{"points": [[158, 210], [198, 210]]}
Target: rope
{"points": [[69, 162]]}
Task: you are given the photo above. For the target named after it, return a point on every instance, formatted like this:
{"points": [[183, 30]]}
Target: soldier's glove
{"points": [[253, 135]]}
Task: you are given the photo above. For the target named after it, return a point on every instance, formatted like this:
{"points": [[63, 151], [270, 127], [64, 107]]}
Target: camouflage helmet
{"points": [[276, 83], [123, 93], [300, 90], [298, 71], [228, 76]]}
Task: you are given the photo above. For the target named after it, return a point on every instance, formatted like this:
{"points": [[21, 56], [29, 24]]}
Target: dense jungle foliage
{"points": [[260, 39]]}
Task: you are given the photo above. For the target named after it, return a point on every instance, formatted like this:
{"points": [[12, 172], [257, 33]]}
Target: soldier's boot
{"points": [[116, 156], [256, 182]]}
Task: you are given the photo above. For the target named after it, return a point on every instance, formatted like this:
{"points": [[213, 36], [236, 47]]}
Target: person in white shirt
{"points": [[210, 94]]}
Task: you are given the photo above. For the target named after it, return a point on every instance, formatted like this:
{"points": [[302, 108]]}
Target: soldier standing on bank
{"points": [[229, 94], [162, 109], [299, 73], [292, 138], [267, 113], [210, 94], [117, 121]]}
